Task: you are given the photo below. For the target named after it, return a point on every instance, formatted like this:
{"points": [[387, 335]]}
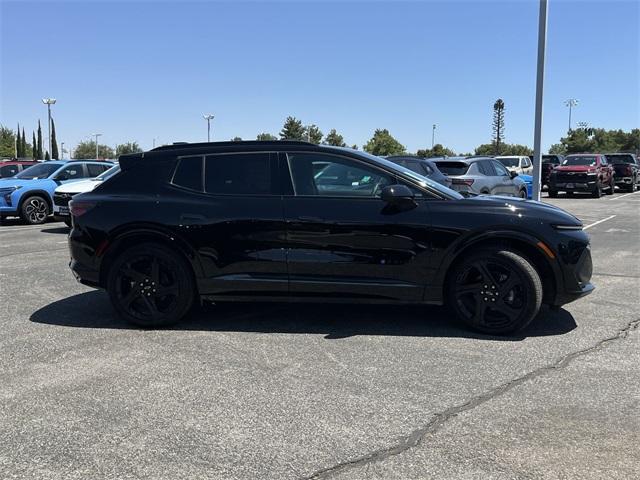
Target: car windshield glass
{"points": [[550, 159], [43, 170], [405, 171], [509, 162], [587, 161], [453, 168], [620, 159], [108, 174]]}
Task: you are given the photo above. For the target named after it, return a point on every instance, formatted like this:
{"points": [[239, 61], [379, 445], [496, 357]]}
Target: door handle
{"points": [[305, 218], [191, 219]]}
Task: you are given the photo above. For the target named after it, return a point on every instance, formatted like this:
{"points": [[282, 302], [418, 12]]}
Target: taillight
{"points": [[79, 208], [462, 181]]}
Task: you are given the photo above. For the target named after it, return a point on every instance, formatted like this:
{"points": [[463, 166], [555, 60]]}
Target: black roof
{"points": [[230, 143]]}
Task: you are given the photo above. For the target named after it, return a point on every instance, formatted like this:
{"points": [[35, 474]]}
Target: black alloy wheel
{"points": [[35, 210], [612, 187], [523, 194], [151, 286], [597, 192], [495, 291]]}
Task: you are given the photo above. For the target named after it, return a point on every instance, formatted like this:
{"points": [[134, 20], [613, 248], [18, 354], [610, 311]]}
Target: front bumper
{"points": [[574, 186]]}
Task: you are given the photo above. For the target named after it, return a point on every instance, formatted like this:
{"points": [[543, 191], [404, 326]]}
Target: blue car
{"points": [[528, 180], [29, 194]]}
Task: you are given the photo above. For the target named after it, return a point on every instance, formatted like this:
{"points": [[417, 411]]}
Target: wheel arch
{"points": [[519, 242], [35, 193], [127, 237]]}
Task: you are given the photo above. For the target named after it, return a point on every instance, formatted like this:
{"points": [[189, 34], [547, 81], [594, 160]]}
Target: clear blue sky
{"points": [[139, 70]]}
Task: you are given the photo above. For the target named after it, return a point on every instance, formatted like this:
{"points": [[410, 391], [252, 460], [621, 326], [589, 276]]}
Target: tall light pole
{"points": [[537, 131], [48, 102], [572, 102], [61, 150], [583, 125], [96, 135], [208, 117], [433, 135]]}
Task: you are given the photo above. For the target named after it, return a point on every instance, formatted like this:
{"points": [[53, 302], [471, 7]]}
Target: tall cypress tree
{"points": [[18, 143], [54, 143], [24, 144], [39, 151], [34, 147]]}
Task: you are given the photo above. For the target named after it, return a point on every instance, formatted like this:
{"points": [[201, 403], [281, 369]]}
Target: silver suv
{"points": [[482, 175]]}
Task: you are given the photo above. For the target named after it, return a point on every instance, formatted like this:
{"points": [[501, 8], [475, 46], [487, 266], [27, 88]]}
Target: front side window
{"points": [[238, 174], [95, 169], [72, 172], [500, 170], [339, 177]]}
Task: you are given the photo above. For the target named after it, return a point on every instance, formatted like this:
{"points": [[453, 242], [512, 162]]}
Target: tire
{"points": [[597, 192], [67, 222], [553, 193], [523, 194], [612, 187], [151, 286], [495, 291], [634, 185], [35, 210]]}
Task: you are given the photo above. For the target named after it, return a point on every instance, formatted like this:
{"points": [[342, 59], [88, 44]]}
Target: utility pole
{"points": [[572, 102], [433, 136], [48, 102], [208, 117], [96, 135], [537, 132], [61, 150]]}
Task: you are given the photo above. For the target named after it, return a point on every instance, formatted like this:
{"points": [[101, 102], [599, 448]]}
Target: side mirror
{"points": [[397, 195], [513, 174]]}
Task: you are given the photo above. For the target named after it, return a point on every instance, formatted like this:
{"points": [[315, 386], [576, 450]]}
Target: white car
{"points": [[521, 164], [63, 193]]}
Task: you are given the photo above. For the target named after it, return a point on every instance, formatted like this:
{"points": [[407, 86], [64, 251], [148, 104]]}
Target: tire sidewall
{"points": [[23, 206]]}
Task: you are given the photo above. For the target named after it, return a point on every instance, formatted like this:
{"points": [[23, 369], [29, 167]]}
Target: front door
{"points": [[343, 240], [505, 185]]}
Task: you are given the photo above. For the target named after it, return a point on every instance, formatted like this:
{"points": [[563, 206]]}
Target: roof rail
{"points": [[180, 145]]}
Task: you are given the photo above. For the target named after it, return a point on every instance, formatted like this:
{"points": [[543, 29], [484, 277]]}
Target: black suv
{"points": [[238, 221], [626, 170]]}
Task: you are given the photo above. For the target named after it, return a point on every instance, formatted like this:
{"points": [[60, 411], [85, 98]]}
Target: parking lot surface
{"points": [[318, 391]]}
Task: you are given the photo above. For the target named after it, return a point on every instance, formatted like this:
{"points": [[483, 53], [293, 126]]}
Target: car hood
{"points": [[18, 182], [575, 168], [519, 207], [78, 187]]}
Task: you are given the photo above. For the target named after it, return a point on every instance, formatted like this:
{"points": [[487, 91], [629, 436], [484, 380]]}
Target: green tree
{"points": [[600, 140], [46, 155], [292, 130], [124, 148], [505, 149], [34, 147], [54, 142], [40, 153], [266, 137], [437, 151], [87, 150], [498, 125], [7, 142], [558, 149], [382, 143], [313, 134], [334, 138], [25, 146], [354, 146], [236, 139], [18, 147]]}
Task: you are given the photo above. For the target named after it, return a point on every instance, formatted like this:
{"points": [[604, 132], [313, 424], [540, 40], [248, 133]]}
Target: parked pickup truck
{"points": [[626, 170], [584, 172], [549, 162]]}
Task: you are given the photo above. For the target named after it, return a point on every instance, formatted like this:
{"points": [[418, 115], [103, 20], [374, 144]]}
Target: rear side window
{"points": [[485, 168], [188, 173], [8, 171], [453, 168], [238, 174], [620, 159]]}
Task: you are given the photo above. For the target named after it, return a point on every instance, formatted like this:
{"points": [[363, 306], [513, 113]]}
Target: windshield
{"points": [[453, 168], [108, 174], [509, 161], [620, 159], [550, 159], [42, 170], [409, 173], [585, 161]]}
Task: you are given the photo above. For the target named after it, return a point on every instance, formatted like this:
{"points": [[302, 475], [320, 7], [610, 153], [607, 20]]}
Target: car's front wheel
{"points": [[35, 210], [612, 187], [151, 286], [597, 191], [495, 291], [522, 194]]}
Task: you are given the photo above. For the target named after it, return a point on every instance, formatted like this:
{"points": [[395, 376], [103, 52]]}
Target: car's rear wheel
{"points": [[612, 187], [522, 194], [597, 191], [151, 286], [495, 291], [67, 222], [553, 193], [35, 210]]}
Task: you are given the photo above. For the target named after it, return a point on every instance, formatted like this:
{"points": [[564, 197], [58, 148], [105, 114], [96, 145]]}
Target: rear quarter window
{"points": [[188, 173]]}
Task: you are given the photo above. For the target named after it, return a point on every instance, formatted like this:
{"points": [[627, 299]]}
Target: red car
{"points": [[583, 172], [11, 168]]}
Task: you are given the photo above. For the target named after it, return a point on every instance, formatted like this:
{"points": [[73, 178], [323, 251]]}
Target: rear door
{"points": [[343, 240], [229, 206], [504, 183]]}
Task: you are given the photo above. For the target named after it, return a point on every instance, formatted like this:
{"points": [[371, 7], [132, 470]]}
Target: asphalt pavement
{"points": [[318, 391]]}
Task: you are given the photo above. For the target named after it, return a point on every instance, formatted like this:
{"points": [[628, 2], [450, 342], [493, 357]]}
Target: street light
{"points": [[61, 150], [537, 128], [582, 124], [433, 135], [48, 102], [572, 102], [208, 117], [96, 135]]}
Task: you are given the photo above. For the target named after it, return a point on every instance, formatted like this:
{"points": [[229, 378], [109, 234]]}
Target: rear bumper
{"points": [[623, 180]]}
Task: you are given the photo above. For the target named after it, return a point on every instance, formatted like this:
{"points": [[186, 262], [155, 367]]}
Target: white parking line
{"points": [[625, 195], [598, 222]]}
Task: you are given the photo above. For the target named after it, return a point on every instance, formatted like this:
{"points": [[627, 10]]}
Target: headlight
{"points": [[6, 192]]}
